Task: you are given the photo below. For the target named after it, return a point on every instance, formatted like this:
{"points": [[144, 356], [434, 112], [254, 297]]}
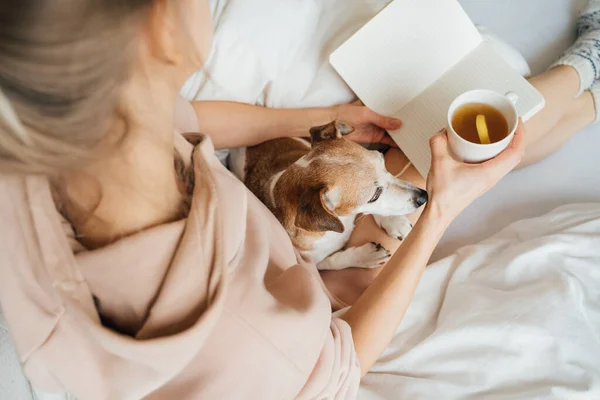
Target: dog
{"points": [[317, 189]]}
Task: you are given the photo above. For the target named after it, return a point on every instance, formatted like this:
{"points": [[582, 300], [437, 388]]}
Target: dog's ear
{"points": [[314, 215], [342, 128], [333, 130]]}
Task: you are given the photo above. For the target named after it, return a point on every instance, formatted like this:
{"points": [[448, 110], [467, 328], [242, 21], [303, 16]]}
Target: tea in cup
{"points": [[481, 123]]}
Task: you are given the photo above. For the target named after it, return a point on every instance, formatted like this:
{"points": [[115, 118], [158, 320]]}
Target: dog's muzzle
{"points": [[421, 198]]}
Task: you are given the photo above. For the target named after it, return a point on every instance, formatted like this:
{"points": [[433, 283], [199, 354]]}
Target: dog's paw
{"points": [[396, 226], [370, 255]]}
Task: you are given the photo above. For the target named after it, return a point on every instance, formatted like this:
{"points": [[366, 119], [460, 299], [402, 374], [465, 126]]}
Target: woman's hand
{"points": [[231, 124], [369, 127], [452, 185]]}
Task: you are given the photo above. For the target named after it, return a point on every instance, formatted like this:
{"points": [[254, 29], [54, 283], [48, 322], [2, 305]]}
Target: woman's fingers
{"points": [[386, 139], [387, 123], [439, 145]]}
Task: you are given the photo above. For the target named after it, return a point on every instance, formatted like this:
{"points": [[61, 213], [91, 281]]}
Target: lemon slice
{"points": [[482, 129]]}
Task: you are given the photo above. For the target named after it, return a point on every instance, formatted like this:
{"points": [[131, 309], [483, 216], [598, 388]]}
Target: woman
{"points": [[134, 266]]}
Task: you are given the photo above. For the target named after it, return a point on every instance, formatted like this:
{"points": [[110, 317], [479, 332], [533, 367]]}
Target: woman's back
{"points": [[215, 305]]}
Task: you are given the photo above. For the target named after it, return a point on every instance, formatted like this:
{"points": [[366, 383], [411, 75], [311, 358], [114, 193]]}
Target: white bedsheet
{"points": [[541, 30], [515, 317]]}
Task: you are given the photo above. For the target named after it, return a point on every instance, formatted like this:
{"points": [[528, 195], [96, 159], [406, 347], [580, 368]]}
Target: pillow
{"points": [[264, 51]]}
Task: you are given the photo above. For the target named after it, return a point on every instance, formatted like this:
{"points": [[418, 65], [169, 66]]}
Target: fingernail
{"points": [[396, 123]]}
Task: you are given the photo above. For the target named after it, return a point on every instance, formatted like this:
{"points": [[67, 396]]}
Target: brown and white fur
{"points": [[317, 191]]}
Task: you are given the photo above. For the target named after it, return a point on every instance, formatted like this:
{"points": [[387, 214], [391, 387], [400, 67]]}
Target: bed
{"points": [[520, 317], [277, 66], [273, 52], [540, 30]]}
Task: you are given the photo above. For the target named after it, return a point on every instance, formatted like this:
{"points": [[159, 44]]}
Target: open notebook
{"points": [[414, 58]]}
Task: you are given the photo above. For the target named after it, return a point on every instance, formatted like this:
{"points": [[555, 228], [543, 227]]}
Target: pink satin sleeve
{"points": [[337, 372]]}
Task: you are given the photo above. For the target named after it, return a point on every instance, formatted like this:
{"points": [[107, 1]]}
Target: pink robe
{"points": [[218, 306]]}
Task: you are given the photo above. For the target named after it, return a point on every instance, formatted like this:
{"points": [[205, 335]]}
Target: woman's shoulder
{"points": [[185, 116]]}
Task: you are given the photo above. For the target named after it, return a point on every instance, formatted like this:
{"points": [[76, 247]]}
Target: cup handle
{"points": [[512, 97]]}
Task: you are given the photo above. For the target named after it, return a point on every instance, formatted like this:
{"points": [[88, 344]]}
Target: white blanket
{"points": [[515, 317]]}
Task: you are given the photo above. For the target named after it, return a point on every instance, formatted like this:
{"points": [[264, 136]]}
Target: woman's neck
{"points": [[132, 188]]}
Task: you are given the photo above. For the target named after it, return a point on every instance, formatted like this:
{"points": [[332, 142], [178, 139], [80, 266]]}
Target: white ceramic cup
{"points": [[473, 152]]}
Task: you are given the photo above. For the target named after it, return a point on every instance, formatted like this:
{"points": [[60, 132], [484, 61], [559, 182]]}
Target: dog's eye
{"points": [[378, 192]]}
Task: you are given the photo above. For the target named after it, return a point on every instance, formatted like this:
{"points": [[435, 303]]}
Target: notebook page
{"points": [[428, 112], [403, 50]]}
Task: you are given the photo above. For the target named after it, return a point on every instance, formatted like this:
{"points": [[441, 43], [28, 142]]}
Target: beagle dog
{"points": [[317, 189]]}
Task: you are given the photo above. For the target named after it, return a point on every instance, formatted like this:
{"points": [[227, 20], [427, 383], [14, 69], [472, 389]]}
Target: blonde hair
{"points": [[62, 65]]}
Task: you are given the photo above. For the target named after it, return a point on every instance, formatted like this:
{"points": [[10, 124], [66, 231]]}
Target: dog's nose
{"points": [[421, 198]]}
